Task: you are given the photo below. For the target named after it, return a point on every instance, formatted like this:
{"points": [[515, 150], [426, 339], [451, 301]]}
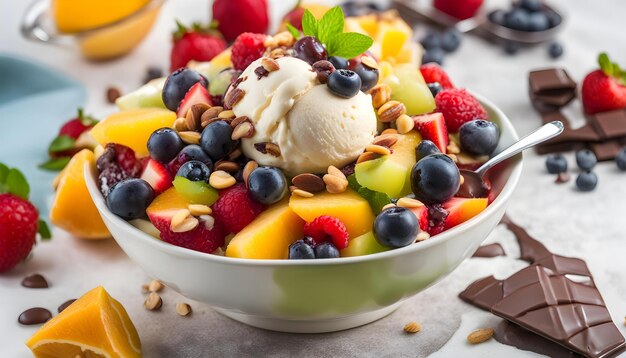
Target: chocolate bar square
{"points": [[611, 124], [551, 81]]}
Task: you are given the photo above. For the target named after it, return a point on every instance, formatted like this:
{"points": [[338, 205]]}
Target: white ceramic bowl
{"points": [[310, 296]]}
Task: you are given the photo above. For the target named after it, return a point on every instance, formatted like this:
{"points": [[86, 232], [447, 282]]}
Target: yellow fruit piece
{"points": [[72, 209], [269, 235], [79, 15], [349, 207], [132, 128], [392, 42], [167, 200], [95, 324], [318, 10]]}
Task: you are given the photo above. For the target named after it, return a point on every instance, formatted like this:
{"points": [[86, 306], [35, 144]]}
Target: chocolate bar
{"points": [[546, 299], [552, 86], [609, 125]]}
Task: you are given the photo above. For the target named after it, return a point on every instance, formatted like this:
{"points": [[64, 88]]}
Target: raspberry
{"points": [[458, 106], [117, 163], [433, 73], [248, 47], [325, 228], [200, 239], [18, 228], [235, 209], [461, 9]]}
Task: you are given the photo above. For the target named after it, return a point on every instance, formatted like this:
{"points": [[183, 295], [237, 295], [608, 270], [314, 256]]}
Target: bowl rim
{"points": [[499, 201]]}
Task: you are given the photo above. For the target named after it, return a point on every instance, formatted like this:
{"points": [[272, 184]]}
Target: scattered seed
{"points": [[190, 137], [409, 203], [309, 182], [269, 64], [405, 124], [227, 166], [183, 309], [199, 209], [480, 335], [247, 169], [378, 149], [381, 94], [243, 130], [220, 179], [412, 327], [302, 193], [390, 111], [155, 286], [153, 302], [334, 184], [367, 156], [113, 93]]}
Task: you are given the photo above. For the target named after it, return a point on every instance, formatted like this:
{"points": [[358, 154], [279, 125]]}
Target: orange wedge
{"points": [[72, 209], [96, 325]]}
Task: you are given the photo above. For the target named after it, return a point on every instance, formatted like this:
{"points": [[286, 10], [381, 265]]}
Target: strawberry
{"points": [[72, 138], [157, 175], [247, 48], [460, 9], [433, 127], [433, 73], [197, 43], [604, 89], [294, 17], [196, 94], [327, 228], [77, 126], [206, 237], [235, 17], [458, 106], [235, 209]]}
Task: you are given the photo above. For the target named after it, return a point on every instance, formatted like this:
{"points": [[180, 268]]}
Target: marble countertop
{"points": [[587, 225]]}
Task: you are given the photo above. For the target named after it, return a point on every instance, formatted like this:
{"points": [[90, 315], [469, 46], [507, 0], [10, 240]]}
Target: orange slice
{"points": [[96, 325]]}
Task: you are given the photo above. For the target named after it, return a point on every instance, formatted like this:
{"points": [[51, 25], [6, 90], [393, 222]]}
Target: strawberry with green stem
{"points": [[197, 43], [604, 89]]}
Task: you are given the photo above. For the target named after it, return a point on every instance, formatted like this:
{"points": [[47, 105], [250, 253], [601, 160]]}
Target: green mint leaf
{"points": [[61, 143], [4, 171], [605, 64], [44, 230], [309, 24], [295, 32], [55, 164], [353, 183], [376, 199], [330, 25], [349, 45], [16, 184]]}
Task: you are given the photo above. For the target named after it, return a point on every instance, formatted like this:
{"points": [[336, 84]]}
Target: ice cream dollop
{"points": [[312, 127]]}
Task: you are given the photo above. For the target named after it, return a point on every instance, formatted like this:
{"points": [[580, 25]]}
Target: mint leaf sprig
{"points": [[611, 69], [329, 31]]}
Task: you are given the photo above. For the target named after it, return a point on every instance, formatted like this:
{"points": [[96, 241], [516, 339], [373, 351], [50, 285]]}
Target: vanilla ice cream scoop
{"points": [[312, 127]]}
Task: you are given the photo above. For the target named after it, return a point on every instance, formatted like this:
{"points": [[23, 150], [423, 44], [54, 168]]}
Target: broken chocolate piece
{"points": [[491, 250], [606, 150], [550, 81], [611, 124]]}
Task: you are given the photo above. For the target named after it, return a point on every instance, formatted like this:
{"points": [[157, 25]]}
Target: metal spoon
{"points": [[475, 187]]}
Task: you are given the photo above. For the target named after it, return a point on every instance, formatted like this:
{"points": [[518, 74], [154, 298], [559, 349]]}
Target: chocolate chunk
{"points": [[35, 281], [606, 150], [550, 81], [516, 336], [36, 315], [65, 305], [611, 124], [491, 250]]}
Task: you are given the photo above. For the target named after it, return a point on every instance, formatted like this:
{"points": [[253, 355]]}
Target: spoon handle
{"points": [[545, 132]]}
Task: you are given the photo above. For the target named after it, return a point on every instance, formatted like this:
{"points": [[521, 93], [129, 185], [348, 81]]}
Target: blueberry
{"points": [[194, 170], [177, 85], [434, 87], [130, 198], [587, 181], [556, 163], [620, 160], [216, 141], [309, 50], [479, 137], [497, 17], [326, 250], [516, 19], [434, 55], [267, 185], [511, 47], [435, 179], [190, 152], [431, 40], [301, 250], [425, 148], [585, 159], [344, 83], [164, 144], [450, 40], [530, 5], [554, 19], [369, 76], [396, 227], [537, 21], [555, 50], [340, 63]]}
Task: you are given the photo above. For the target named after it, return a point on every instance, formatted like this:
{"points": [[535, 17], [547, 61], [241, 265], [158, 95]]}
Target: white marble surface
{"points": [[587, 225]]}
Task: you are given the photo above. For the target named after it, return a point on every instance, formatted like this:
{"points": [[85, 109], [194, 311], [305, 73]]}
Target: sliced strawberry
{"points": [[196, 94], [157, 175], [433, 127], [461, 209]]}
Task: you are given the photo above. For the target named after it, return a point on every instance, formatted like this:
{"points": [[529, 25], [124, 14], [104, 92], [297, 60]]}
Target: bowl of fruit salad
{"points": [[297, 185]]}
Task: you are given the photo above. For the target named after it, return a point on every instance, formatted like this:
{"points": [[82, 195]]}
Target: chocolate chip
{"points": [[36, 315], [113, 94], [35, 281], [65, 305], [261, 72]]}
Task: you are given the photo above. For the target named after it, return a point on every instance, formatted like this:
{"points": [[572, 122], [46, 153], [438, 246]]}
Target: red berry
{"points": [[458, 106], [234, 17], [117, 163], [433, 73], [194, 44], [327, 228], [294, 17], [235, 209], [74, 128], [248, 47], [200, 239], [602, 93], [461, 9], [18, 229]]}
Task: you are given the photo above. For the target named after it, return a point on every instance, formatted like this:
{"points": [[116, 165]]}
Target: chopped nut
{"points": [[153, 302], [334, 184], [227, 114], [227, 166], [480, 335], [220, 179], [367, 156], [405, 124], [206, 122], [179, 217], [211, 113], [234, 154], [233, 97], [243, 130], [409, 203], [269, 64], [247, 169], [277, 53], [412, 327], [390, 111], [302, 193], [199, 209], [381, 94], [155, 286], [187, 225], [367, 61], [378, 149], [183, 309], [309, 182], [238, 120], [284, 38], [388, 206], [270, 42], [190, 137], [386, 140], [332, 170], [272, 149], [423, 235], [453, 148], [145, 288], [389, 131], [180, 124]]}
